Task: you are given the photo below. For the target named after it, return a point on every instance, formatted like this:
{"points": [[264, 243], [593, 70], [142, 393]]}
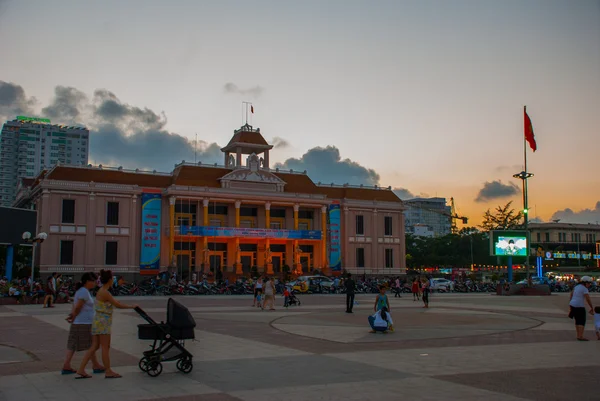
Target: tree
{"points": [[502, 218]]}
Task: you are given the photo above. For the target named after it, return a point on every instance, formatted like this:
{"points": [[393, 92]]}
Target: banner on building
{"points": [[150, 248], [250, 232], [333, 232]]}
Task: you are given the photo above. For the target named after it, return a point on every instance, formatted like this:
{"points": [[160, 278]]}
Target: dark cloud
{"points": [[536, 220], [120, 134], [232, 88], [325, 165], [403, 193], [67, 106], [583, 216], [135, 137], [14, 101], [108, 109], [147, 149], [496, 190], [279, 143]]}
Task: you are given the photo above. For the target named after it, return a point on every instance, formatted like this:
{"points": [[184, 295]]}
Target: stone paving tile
{"points": [[544, 384], [46, 344], [203, 397], [262, 373], [412, 388], [478, 359]]}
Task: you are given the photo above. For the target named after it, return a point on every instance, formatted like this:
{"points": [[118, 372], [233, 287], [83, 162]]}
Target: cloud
{"points": [[120, 134], [536, 220], [280, 143], [14, 101], [496, 190], [325, 165], [135, 137], [67, 106], [583, 216], [232, 88], [403, 193]]}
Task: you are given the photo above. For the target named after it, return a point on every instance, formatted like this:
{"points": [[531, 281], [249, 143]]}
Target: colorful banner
{"points": [[150, 249], [334, 221], [250, 232]]}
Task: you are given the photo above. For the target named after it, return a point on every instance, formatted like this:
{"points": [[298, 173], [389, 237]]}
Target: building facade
{"points": [[565, 237], [29, 145], [432, 213], [232, 217]]}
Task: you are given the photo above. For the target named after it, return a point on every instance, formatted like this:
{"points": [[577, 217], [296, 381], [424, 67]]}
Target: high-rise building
{"points": [[29, 145], [430, 213]]}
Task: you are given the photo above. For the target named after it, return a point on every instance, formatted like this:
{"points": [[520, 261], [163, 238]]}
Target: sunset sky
{"points": [[427, 94]]}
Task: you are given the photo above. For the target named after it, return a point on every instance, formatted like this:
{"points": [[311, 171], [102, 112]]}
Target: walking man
{"points": [[350, 289], [398, 288]]}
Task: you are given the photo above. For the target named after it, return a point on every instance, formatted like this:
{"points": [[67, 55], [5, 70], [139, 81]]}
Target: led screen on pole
{"points": [[14, 222], [509, 243]]}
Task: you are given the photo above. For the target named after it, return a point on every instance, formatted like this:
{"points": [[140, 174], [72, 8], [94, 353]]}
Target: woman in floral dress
{"points": [[101, 326]]}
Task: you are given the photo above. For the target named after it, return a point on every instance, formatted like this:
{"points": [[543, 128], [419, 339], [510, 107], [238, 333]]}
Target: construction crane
{"points": [[453, 215]]}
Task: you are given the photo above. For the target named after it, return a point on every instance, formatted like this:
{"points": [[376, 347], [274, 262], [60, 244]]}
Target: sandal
{"points": [[85, 376], [115, 376], [68, 371]]}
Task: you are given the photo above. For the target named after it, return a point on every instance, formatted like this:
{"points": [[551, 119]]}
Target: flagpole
{"points": [[525, 197], [524, 176]]}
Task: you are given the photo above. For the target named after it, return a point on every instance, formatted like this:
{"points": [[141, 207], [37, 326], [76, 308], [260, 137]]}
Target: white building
{"points": [[428, 217], [28, 145]]}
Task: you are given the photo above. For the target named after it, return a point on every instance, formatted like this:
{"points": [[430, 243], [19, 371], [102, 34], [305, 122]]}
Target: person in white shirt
{"points": [[579, 297], [81, 318], [258, 287], [381, 321]]}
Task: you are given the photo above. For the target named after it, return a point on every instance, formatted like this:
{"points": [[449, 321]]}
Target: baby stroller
{"points": [[168, 339], [292, 298]]}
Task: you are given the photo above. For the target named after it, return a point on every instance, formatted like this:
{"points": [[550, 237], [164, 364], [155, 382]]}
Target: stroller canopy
{"points": [[178, 316]]}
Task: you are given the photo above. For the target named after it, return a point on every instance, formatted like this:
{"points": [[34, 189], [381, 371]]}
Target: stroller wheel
{"points": [[144, 364], [154, 368], [185, 365]]}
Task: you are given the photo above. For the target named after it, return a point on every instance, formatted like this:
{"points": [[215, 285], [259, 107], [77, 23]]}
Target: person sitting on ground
{"points": [[14, 292], [381, 321]]}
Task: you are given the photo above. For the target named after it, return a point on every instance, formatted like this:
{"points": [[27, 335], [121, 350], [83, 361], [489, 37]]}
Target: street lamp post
{"points": [[38, 239]]}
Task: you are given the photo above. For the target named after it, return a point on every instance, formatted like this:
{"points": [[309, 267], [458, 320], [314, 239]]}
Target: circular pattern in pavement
{"points": [[409, 324]]}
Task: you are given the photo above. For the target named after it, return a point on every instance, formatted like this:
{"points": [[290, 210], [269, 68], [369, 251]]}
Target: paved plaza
{"points": [[465, 347]]}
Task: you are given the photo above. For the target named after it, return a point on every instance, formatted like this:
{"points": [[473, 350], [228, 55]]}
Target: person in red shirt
{"points": [[415, 289], [286, 297]]}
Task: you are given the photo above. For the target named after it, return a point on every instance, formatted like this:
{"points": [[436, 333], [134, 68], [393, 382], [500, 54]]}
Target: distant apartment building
{"points": [[427, 217], [29, 145]]}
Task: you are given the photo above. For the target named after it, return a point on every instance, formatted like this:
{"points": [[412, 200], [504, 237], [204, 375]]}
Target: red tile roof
{"points": [[65, 173], [251, 137], [207, 176]]}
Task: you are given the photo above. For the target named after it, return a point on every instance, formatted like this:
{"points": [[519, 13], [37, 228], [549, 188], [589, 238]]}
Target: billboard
{"points": [[333, 223], [14, 222], [250, 232], [150, 245], [509, 243]]}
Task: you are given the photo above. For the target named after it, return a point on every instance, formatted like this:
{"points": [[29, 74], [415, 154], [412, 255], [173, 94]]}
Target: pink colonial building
{"points": [[233, 217]]}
